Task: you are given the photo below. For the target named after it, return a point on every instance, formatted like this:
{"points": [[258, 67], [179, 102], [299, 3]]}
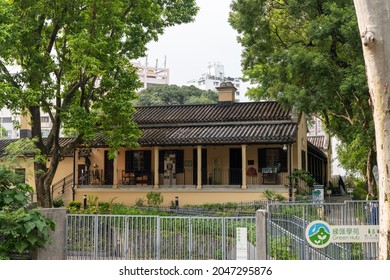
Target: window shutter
{"points": [[128, 160], [161, 162], [261, 154], [147, 161], [179, 161]]}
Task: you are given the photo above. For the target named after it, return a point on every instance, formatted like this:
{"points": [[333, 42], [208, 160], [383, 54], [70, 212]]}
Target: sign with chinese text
{"points": [[320, 234], [242, 243]]}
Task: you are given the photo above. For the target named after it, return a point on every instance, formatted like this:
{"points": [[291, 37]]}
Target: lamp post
{"points": [[329, 192], [289, 171], [176, 202]]}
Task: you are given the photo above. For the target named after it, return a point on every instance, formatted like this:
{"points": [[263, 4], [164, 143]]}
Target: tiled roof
{"points": [[318, 141], [235, 123], [219, 134], [242, 112], [64, 141], [4, 143]]}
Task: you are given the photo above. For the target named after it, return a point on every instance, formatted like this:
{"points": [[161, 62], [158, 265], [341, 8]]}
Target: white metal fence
{"points": [[96, 237], [286, 226]]}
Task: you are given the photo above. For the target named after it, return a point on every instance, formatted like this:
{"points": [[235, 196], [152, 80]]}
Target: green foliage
{"points": [[175, 95], [117, 209], [79, 54], [3, 132], [139, 202], [75, 204], [308, 55], [154, 199], [300, 174], [359, 187], [92, 200], [20, 229], [104, 207], [273, 196], [58, 203], [23, 230], [22, 148], [281, 249], [353, 157], [14, 197]]}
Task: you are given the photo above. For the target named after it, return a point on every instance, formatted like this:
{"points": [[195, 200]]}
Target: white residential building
{"points": [[151, 76], [214, 76], [11, 122], [7, 121]]}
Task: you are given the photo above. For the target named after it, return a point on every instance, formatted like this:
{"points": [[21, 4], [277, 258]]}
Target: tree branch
{"points": [[348, 116], [8, 77], [280, 39], [53, 37]]}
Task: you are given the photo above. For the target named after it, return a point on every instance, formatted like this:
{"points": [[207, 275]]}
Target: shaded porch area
{"points": [[241, 167]]}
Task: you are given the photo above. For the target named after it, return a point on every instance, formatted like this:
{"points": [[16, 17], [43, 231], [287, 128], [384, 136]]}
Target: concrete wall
{"points": [[56, 249]]}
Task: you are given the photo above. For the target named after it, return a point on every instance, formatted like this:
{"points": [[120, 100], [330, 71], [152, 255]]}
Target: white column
{"points": [[155, 168], [199, 167], [244, 167]]}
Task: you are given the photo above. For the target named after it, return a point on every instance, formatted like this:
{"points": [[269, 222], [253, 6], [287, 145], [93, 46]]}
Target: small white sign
{"points": [[242, 241], [318, 193]]}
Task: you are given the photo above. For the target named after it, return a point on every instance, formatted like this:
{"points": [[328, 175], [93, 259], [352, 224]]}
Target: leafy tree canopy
{"points": [[71, 59], [307, 54], [175, 95]]}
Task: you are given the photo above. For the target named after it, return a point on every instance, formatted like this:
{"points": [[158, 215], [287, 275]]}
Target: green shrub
{"points": [[75, 204], [20, 229], [92, 200], [154, 199], [104, 207], [58, 203], [139, 202], [273, 196]]}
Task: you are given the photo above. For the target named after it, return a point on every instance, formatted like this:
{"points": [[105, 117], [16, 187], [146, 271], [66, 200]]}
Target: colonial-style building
{"points": [[224, 152]]}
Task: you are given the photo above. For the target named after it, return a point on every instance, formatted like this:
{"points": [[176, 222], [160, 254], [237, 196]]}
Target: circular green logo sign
{"points": [[318, 234]]}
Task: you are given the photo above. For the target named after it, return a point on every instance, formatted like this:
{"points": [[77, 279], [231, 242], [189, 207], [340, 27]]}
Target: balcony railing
{"points": [[91, 177]]}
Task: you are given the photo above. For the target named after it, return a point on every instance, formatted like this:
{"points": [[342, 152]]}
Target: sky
{"points": [[189, 48]]}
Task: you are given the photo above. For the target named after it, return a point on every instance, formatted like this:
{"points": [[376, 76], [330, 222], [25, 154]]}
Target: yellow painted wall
{"points": [[65, 168], [192, 197]]}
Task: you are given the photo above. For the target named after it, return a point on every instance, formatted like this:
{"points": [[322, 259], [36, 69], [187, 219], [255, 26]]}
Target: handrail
{"points": [[62, 186]]}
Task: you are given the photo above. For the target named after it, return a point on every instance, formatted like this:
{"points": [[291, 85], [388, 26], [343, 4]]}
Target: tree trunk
{"points": [[372, 187], [43, 181], [374, 21], [43, 193]]}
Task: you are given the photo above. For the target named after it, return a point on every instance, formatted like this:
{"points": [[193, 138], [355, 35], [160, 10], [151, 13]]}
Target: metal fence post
{"points": [[95, 233], [189, 238], [126, 247], [158, 241], [223, 238]]}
